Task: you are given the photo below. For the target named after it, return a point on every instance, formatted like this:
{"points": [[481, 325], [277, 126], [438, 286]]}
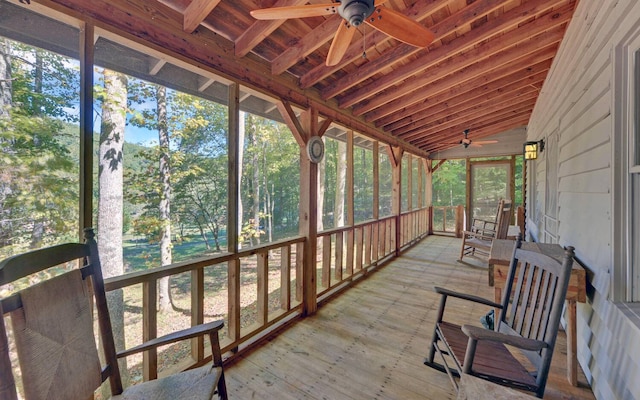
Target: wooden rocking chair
{"points": [[54, 338], [481, 232], [529, 320]]}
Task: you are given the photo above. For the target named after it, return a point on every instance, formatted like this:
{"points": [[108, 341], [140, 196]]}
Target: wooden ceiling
{"points": [[483, 72]]}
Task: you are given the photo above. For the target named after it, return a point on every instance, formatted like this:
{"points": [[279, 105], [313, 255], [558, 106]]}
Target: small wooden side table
{"points": [[499, 258]]}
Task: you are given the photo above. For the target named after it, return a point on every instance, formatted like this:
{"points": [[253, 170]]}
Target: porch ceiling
{"points": [[483, 72]]}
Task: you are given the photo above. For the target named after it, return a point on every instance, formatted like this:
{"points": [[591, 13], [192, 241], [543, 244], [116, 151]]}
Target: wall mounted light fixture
{"points": [[531, 149]]}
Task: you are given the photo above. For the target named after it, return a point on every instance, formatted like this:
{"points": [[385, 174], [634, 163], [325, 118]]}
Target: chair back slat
{"points": [[537, 325], [535, 301]]}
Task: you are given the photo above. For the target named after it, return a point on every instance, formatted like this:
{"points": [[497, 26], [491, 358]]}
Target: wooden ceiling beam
{"points": [[539, 48], [429, 58], [261, 29], [158, 28], [468, 109], [459, 94], [475, 125], [517, 43], [519, 14], [445, 129], [196, 12], [418, 12], [292, 122], [307, 45]]}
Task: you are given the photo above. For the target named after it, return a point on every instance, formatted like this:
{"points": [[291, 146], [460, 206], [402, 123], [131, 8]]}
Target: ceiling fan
{"points": [[466, 142], [354, 13]]}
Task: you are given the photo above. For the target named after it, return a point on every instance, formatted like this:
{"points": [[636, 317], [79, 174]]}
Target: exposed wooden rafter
{"points": [[483, 71]]}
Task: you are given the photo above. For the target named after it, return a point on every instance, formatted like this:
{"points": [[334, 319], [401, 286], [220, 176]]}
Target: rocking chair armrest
{"points": [[468, 297], [478, 333], [194, 331]]}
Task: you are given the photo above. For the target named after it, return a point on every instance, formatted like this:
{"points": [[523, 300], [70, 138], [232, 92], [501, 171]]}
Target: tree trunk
{"points": [[255, 161], [110, 214], [37, 232], [164, 207], [5, 104], [241, 133], [5, 78], [341, 179]]}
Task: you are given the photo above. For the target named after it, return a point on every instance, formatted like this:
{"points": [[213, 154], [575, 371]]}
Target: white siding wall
{"points": [[577, 102]]}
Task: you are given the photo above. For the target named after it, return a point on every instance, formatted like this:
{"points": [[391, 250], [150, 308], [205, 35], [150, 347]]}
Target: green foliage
{"points": [[39, 175], [449, 183]]}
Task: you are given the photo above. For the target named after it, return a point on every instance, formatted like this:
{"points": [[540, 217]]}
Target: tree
{"points": [[164, 207], [341, 179], [38, 179], [110, 176]]}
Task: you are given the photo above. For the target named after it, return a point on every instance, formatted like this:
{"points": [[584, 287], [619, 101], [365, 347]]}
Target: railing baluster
{"points": [[263, 287], [339, 255], [285, 277], [197, 311], [358, 245], [233, 271], [326, 261], [149, 328]]}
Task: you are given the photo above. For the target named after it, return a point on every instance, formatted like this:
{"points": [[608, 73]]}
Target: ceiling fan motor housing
{"points": [[356, 11]]}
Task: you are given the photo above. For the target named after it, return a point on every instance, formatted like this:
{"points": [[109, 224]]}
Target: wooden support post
{"points": [[308, 215], [87, 51], [395, 157], [233, 266], [459, 220]]}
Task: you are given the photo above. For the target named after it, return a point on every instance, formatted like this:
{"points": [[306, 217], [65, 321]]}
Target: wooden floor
{"points": [[369, 343]]}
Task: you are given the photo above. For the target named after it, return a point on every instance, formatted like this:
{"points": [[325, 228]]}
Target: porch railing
{"points": [[448, 219], [349, 251], [259, 287], [253, 301], [414, 225]]}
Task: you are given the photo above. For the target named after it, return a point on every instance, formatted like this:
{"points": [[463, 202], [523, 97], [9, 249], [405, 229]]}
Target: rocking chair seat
{"points": [[198, 383], [493, 359]]}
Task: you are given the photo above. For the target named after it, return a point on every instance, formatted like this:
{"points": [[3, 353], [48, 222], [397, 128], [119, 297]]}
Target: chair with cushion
{"points": [[52, 330], [529, 319], [477, 239]]}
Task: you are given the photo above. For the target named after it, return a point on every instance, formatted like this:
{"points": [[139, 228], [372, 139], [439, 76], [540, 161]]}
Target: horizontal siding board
{"points": [[591, 132], [588, 235], [598, 181], [594, 159]]}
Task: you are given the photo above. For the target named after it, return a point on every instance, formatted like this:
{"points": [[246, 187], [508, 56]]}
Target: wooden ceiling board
{"points": [[484, 68]]}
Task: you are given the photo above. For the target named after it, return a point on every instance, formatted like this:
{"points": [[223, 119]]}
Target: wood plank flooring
{"points": [[369, 342]]}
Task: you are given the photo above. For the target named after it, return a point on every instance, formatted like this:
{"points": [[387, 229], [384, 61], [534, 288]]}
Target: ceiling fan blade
{"points": [[486, 141], [401, 27], [340, 43], [309, 10]]}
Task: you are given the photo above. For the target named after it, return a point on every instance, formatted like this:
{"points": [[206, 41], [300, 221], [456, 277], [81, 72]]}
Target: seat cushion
{"points": [[198, 383]]}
